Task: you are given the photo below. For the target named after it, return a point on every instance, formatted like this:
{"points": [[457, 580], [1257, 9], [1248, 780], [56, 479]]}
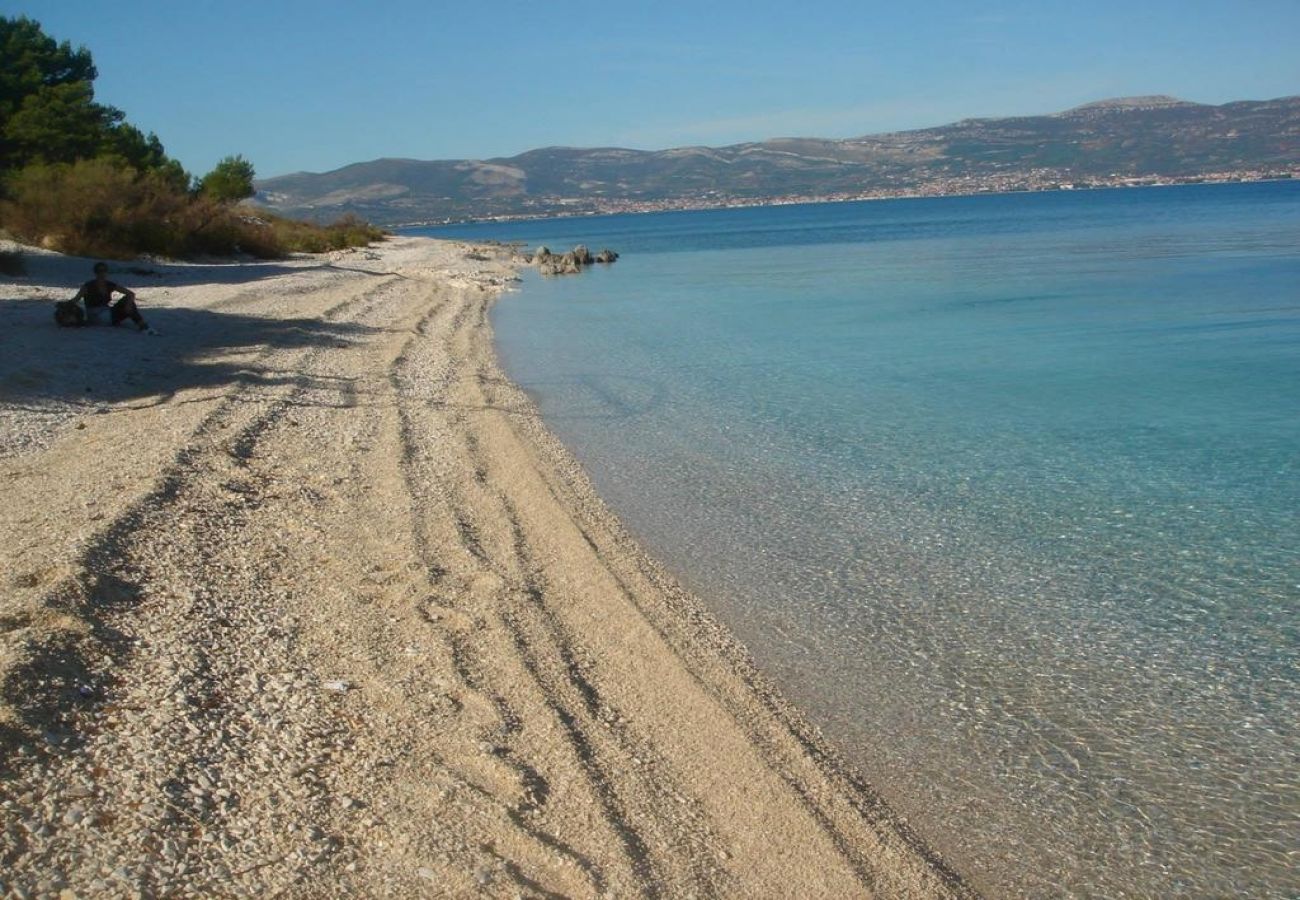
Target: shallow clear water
{"points": [[1002, 490]]}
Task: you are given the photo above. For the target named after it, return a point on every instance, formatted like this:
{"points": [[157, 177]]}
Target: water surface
{"points": [[1002, 490]]}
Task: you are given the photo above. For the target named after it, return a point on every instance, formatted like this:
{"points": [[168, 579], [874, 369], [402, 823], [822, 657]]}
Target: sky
{"points": [[311, 86]]}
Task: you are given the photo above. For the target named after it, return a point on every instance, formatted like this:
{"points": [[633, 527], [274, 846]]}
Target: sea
{"points": [[1002, 490]]}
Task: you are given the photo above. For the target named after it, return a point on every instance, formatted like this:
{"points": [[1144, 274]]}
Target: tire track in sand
{"points": [[447, 620], [597, 738]]}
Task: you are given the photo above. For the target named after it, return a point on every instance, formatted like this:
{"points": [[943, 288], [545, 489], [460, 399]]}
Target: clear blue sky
{"points": [[314, 84]]}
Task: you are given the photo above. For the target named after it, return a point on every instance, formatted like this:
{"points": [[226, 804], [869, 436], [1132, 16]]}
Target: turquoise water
{"points": [[1002, 490]]}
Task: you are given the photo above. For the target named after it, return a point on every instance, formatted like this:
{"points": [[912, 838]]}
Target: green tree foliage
{"points": [[59, 124], [145, 154], [31, 60], [48, 112], [76, 177], [230, 180]]}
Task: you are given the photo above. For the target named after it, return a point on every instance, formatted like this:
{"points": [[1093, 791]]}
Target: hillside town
{"points": [[954, 186]]}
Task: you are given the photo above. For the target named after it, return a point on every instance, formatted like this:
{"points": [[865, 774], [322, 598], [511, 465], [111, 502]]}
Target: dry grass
{"points": [[104, 208]]}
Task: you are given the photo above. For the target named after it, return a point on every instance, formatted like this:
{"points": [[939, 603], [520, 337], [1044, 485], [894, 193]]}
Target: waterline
{"points": [[1000, 490]]}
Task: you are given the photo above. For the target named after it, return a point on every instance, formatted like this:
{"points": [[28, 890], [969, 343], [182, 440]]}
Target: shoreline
{"points": [[333, 610]]}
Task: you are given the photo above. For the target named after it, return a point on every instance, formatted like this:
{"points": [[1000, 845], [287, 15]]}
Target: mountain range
{"points": [[1115, 141]]}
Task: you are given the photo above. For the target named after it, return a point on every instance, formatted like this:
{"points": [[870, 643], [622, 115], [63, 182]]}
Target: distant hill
{"points": [[1107, 142]]}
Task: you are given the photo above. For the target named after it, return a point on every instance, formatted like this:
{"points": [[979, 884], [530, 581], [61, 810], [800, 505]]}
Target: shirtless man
{"points": [[98, 293]]}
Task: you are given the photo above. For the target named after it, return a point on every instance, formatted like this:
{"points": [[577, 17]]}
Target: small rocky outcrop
{"points": [[570, 263], [560, 265]]}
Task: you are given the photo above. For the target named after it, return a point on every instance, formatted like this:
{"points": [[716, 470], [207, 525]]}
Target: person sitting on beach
{"points": [[98, 293]]}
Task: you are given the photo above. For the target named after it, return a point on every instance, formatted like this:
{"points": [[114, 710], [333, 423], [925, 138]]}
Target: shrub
{"points": [[306, 237], [105, 207], [98, 207]]}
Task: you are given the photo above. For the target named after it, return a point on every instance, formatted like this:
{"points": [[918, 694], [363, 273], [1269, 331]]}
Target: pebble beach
{"points": [[300, 598]]}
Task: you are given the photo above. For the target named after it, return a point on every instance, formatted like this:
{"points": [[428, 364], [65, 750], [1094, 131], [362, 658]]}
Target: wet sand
{"points": [[300, 598]]}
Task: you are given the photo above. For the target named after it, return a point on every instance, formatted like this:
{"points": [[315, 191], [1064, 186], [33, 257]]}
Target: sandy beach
{"points": [[301, 599]]}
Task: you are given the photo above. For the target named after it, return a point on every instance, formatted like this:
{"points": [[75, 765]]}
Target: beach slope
{"points": [[301, 599]]}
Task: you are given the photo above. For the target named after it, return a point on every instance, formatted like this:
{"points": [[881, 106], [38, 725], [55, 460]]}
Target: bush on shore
{"points": [[75, 176], [104, 207], [307, 237]]}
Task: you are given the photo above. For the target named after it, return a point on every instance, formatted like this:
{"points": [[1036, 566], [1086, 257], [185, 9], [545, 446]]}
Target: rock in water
{"points": [[570, 263]]}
